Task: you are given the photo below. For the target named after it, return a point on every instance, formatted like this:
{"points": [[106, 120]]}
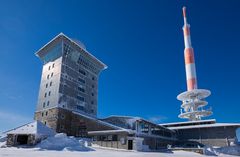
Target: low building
{"points": [[28, 134], [133, 133], [207, 132]]}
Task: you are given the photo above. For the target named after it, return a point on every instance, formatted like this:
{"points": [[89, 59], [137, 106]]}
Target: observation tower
{"points": [[193, 100]]}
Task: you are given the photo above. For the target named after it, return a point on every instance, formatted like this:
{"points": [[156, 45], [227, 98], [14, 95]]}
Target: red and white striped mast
{"points": [[189, 55], [193, 99]]}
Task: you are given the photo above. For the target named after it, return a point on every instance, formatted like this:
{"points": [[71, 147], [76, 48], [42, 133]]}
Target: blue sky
{"points": [[140, 41]]}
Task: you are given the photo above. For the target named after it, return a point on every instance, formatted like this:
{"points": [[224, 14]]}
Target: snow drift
{"points": [[230, 150], [62, 142]]}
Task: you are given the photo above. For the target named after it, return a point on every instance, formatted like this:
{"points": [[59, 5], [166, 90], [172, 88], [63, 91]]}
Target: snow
{"points": [[35, 127], [61, 145], [62, 142], [230, 150], [98, 152]]}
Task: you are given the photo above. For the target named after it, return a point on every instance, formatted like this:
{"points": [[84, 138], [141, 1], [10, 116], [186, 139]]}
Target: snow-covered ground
{"points": [[62, 146], [97, 152]]}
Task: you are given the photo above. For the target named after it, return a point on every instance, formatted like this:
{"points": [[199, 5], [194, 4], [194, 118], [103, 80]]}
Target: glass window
{"points": [[82, 72], [46, 85], [44, 104], [80, 98], [48, 103], [81, 80], [47, 76], [81, 89], [45, 95], [51, 74], [50, 83], [49, 93], [53, 65], [92, 94], [49, 67], [46, 113]]}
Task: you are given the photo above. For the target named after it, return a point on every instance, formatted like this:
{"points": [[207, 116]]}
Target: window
{"points": [[81, 80], [80, 98], [51, 74], [53, 65], [62, 116], [45, 95], [92, 94], [50, 83], [49, 67], [62, 127], [45, 123], [42, 114], [92, 86], [82, 72], [46, 113], [46, 85], [49, 93], [81, 89], [44, 104], [80, 108], [47, 76], [93, 78], [92, 102], [48, 103]]}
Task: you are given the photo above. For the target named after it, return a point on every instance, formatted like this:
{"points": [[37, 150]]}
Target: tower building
{"points": [[69, 83], [193, 99]]}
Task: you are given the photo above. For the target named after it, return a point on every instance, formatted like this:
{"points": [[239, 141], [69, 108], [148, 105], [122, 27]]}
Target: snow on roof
{"points": [[35, 127], [100, 121], [204, 126]]}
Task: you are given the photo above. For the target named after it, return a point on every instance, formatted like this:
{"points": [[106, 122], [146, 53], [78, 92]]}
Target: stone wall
{"points": [[62, 120]]}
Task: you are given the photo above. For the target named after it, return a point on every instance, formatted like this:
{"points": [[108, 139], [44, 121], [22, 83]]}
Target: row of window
{"points": [[48, 76], [81, 89], [45, 95], [80, 98], [50, 84], [44, 104], [46, 113], [51, 66]]}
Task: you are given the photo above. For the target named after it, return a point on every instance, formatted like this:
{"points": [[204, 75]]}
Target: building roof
{"points": [[100, 121], [204, 126], [35, 127], [189, 123], [110, 132], [60, 35]]}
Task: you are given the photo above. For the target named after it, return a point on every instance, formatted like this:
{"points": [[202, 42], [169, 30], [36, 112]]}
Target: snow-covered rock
{"points": [[62, 142]]}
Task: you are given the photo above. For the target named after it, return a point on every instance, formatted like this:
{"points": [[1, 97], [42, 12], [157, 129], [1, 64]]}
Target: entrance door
{"points": [[130, 144], [22, 139]]}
